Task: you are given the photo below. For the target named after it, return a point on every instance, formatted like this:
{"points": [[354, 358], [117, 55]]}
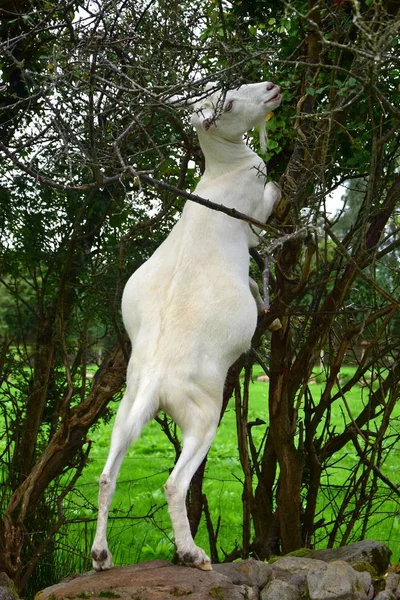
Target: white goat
{"points": [[190, 311]]}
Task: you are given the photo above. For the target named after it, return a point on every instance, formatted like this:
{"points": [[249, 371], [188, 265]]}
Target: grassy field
{"points": [[146, 467]]}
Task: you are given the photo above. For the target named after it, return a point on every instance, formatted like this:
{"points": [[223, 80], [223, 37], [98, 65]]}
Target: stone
{"points": [[250, 592], [392, 581], [311, 574], [365, 580], [7, 588], [295, 564], [280, 590], [337, 581], [289, 567], [299, 581], [385, 595], [249, 572], [366, 555], [294, 569], [154, 580], [371, 593]]}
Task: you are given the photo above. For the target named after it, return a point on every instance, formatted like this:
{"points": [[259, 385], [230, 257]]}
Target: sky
{"points": [[334, 201]]}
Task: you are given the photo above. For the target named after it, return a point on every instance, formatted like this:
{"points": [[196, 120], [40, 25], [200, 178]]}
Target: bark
{"points": [[265, 543], [290, 458], [195, 498], [241, 407], [24, 453]]}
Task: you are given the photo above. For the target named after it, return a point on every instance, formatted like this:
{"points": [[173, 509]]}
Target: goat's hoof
{"points": [[275, 325], [101, 559], [205, 566], [197, 559]]}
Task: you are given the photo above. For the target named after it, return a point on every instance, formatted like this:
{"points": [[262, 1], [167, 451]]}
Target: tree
{"points": [[94, 171]]}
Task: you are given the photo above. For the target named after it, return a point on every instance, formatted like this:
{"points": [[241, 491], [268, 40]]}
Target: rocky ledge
{"points": [[355, 572]]}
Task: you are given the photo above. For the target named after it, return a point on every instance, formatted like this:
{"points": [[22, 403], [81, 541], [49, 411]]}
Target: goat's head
{"points": [[229, 115]]}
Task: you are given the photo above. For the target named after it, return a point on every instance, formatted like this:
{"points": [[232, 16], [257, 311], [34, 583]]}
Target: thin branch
{"points": [[371, 465]]}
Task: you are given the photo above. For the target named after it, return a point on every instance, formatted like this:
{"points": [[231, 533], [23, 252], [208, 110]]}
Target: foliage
{"points": [[94, 164]]}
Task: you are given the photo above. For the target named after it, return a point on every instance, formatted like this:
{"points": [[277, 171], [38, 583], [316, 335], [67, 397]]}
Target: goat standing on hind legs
{"points": [[190, 310]]}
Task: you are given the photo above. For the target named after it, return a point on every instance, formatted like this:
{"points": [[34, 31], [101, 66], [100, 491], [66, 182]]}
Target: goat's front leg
{"points": [[276, 324], [272, 196], [255, 292], [197, 438]]}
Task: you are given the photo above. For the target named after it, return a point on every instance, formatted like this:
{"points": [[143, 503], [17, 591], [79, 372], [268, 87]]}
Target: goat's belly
{"points": [[192, 323], [177, 315], [209, 335], [234, 328]]}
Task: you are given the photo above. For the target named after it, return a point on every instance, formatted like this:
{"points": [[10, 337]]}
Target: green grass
{"points": [[147, 465]]}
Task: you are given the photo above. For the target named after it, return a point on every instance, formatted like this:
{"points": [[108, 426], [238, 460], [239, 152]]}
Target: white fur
{"points": [[189, 310]]}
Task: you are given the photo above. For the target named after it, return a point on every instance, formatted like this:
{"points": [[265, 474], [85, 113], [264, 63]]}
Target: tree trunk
{"points": [[282, 430], [266, 541], [25, 448]]}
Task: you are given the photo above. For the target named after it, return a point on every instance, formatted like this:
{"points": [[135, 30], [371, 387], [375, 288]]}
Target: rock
{"points": [[295, 564], [154, 580], [392, 581], [7, 588], [320, 580], [311, 574], [248, 572], [280, 590], [250, 593], [337, 581], [365, 580], [293, 570], [366, 555], [385, 595], [289, 567], [371, 593]]}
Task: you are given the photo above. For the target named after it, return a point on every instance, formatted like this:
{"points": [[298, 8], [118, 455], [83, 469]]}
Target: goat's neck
{"points": [[223, 155]]}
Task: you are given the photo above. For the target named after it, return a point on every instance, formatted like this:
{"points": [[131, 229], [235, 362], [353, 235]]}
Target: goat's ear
{"points": [[177, 101], [211, 85]]}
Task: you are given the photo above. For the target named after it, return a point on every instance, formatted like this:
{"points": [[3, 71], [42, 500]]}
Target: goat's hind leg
{"points": [[135, 411], [197, 438]]}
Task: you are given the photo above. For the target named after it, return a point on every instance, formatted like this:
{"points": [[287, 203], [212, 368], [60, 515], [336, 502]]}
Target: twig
{"points": [[60, 521], [269, 258], [375, 469], [212, 533]]}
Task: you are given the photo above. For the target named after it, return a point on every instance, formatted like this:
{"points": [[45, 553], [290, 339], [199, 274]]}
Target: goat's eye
{"points": [[228, 106]]}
